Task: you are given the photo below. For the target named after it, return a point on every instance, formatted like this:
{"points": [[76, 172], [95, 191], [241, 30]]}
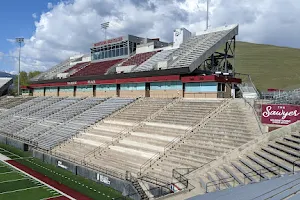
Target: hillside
{"points": [[4, 74], [269, 66]]}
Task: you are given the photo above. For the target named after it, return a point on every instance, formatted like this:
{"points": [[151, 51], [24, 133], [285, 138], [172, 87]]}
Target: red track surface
{"points": [[50, 182]]}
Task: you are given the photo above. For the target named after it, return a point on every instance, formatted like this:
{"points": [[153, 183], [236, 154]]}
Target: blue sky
{"points": [[16, 19], [69, 27]]}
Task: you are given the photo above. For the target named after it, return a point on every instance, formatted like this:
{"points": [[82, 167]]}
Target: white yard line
{"points": [[60, 192], [7, 172], [8, 181], [21, 190]]}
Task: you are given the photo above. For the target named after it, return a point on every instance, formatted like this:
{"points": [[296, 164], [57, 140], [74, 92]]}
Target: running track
{"points": [[50, 182]]}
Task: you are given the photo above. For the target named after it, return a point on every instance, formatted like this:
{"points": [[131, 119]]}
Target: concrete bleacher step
{"points": [[184, 161], [224, 178], [118, 163], [275, 160], [292, 138], [265, 164], [258, 170], [214, 179], [162, 175], [139, 145], [198, 158], [136, 152], [220, 146], [237, 175], [226, 140], [208, 149], [280, 154], [146, 140], [289, 144], [153, 136], [246, 171], [284, 149], [196, 151]]}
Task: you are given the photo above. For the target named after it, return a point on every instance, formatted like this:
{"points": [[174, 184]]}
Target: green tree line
{"points": [[24, 80]]}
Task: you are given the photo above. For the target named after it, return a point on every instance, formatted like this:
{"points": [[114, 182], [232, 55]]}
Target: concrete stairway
{"points": [[273, 159]]}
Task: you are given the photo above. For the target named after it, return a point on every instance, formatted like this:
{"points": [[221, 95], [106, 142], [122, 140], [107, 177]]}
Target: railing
{"points": [[255, 114], [295, 162], [178, 139], [217, 183], [260, 172], [181, 178]]}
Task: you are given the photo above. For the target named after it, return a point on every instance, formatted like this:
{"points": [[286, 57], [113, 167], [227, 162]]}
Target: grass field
{"points": [[269, 66], [78, 183], [15, 185]]}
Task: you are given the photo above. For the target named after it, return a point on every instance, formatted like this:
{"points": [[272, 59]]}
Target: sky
{"points": [[56, 29]]}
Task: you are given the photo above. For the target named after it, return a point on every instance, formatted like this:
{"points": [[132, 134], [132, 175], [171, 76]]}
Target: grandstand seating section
{"points": [[76, 67], [271, 159], [195, 47], [7, 103], [138, 59], [217, 137], [152, 61], [97, 68]]}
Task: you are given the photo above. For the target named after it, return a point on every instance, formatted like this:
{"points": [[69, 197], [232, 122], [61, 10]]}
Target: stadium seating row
{"points": [[272, 159]]}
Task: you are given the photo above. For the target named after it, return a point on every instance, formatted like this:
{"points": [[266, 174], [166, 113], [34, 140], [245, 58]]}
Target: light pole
{"points": [[19, 41], [207, 15], [105, 27]]}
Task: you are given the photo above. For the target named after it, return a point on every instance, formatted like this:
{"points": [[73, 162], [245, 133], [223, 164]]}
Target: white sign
{"points": [[103, 179], [60, 164]]}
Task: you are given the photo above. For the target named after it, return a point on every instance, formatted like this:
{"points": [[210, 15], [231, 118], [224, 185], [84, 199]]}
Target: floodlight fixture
{"points": [[20, 41], [105, 27]]}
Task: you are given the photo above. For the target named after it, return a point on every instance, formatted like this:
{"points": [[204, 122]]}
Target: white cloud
{"points": [[70, 27], [34, 15]]}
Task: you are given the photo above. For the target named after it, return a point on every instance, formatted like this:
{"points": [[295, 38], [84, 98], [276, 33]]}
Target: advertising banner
{"points": [[280, 114]]}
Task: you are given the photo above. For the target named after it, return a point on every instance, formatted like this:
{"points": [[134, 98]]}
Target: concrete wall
{"points": [[50, 94], [84, 94], [106, 93], [11, 142], [65, 94], [37, 94], [166, 93], [200, 94], [125, 187], [132, 93]]}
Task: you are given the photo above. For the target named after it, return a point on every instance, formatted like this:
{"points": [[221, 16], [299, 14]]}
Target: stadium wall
{"points": [[125, 187], [11, 142]]}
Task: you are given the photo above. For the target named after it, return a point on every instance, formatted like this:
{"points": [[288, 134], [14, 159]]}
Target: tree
{"points": [[24, 80]]}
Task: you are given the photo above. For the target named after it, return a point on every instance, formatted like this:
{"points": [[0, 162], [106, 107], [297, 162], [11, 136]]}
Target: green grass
{"points": [[269, 66], [16, 185], [32, 194], [86, 186]]}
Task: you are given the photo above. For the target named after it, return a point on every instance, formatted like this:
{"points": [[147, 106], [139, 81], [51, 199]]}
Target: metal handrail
{"points": [[259, 172], [255, 114], [219, 182], [294, 164], [175, 141]]}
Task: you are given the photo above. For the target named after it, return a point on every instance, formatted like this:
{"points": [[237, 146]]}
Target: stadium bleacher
{"points": [[152, 61], [145, 136], [138, 59], [97, 68], [272, 159]]}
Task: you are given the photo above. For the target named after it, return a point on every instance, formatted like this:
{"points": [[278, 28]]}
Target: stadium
{"points": [[139, 118]]}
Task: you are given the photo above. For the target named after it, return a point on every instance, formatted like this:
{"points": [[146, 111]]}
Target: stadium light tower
{"points": [[19, 41], [207, 13], [105, 27]]}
